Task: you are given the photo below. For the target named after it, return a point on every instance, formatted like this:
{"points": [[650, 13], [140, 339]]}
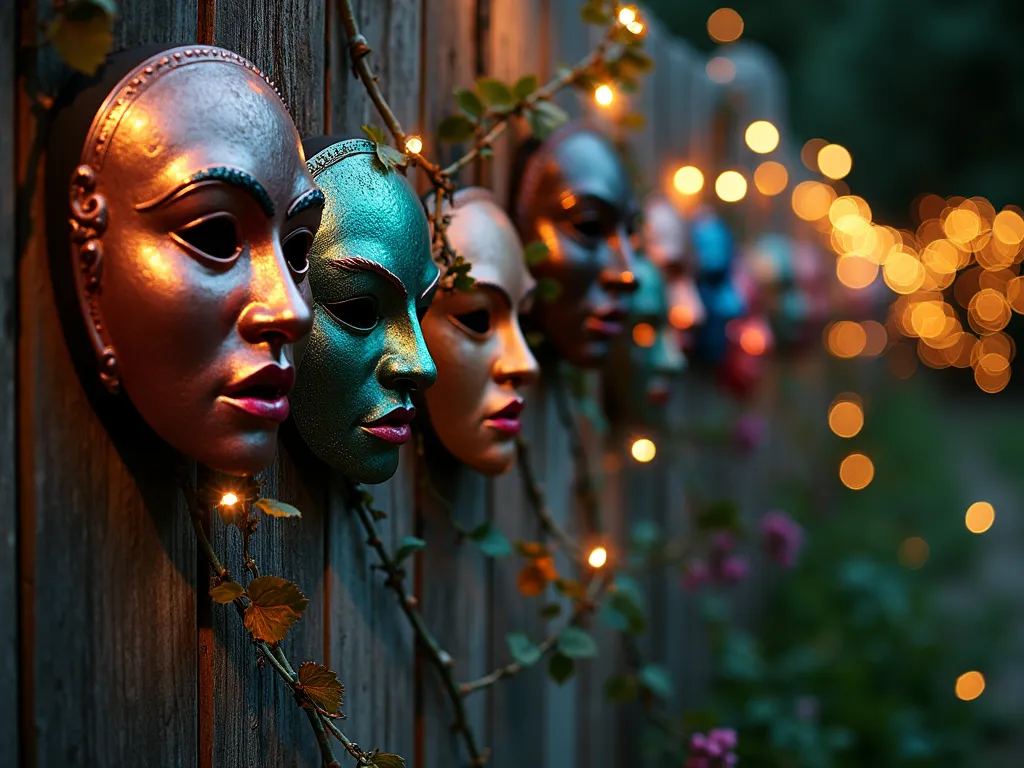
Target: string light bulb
{"points": [[228, 499], [598, 557], [604, 95], [627, 15], [414, 145], [635, 27], [688, 180], [643, 450]]}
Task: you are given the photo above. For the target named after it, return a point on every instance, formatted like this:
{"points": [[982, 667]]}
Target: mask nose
{"points": [[618, 277], [278, 312], [406, 365], [517, 365]]}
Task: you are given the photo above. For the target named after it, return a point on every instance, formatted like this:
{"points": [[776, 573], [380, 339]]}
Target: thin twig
{"points": [[441, 659], [536, 498], [583, 480]]}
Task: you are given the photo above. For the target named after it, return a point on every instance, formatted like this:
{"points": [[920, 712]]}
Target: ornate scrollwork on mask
{"points": [[88, 222]]}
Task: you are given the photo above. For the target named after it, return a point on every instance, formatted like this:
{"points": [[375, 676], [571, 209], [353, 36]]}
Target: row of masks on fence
{"points": [[226, 278]]}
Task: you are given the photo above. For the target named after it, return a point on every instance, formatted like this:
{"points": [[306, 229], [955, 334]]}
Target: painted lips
{"points": [[393, 427], [606, 324], [263, 394], [507, 420]]}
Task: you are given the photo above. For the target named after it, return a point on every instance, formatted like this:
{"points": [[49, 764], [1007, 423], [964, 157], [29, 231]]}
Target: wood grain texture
{"points": [[106, 554], [8, 310], [285, 39]]}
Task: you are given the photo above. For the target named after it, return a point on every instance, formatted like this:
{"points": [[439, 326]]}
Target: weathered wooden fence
{"points": [[111, 653]]}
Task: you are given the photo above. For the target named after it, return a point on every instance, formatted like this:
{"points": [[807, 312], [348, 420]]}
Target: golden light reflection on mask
{"points": [[483, 361], [191, 215], [575, 196], [665, 239]]}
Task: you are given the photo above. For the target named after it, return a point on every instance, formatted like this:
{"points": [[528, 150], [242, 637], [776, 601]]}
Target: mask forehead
{"points": [[212, 113], [664, 232], [587, 164], [371, 213], [482, 233]]}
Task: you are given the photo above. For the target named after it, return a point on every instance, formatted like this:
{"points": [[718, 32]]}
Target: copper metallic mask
{"points": [[372, 278], [191, 214], [666, 243], [575, 197], [646, 359], [483, 361]]}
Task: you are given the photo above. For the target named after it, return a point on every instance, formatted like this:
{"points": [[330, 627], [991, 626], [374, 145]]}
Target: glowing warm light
{"points": [[228, 499], [627, 15], [598, 557], [812, 200], [980, 516], [770, 178], [604, 95], [762, 137], [688, 180], [913, 552], [644, 335], [988, 310], [753, 340], [635, 27], [809, 153], [877, 338], [857, 471], [1008, 227], [962, 225], [725, 25], [720, 69], [846, 339], [730, 186], [414, 145], [834, 161], [682, 316], [902, 272], [856, 272], [643, 450], [970, 686], [846, 418]]}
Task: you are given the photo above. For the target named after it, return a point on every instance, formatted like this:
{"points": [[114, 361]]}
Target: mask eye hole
{"points": [[296, 251], [477, 322], [360, 313], [214, 237]]}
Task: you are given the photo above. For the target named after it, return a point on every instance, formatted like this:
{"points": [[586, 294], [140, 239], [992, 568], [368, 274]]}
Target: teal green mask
{"points": [[646, 359], [372, 279]]}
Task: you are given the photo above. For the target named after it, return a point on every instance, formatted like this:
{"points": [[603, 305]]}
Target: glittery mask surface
{"points": [[715, 252], [192, 213], [372, 278], [483, 361]]}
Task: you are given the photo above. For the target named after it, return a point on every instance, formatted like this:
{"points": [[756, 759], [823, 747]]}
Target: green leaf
{"points": [[492, 542], [576, 644], [494, 92], [532, 580], [463, 283], [634, 121], [455, 128], [322, 687], [469, 102], [570, 588], [551, 610], [407, 546], [593, 12], [522, 650], [536, 253], [390, 157], [561, 668], [524, 86], [620, 688], [385, 760], [636, 60], [226, 592], [623, 612], [275, 604], [377, 137], [658, 680], [548, 289], [83, 33], [276, 508], [545, 118], [645, 534]]}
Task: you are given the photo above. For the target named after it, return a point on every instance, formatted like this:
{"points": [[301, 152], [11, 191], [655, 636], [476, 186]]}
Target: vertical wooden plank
{"points": [[517, 704], [8, 310], [455, 598], [570, 41], [106, 553], [514, 46], [256, 720]]}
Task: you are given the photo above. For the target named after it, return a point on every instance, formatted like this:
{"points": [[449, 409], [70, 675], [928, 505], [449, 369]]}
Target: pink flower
{"points": [[782, 537], [713, 750], [725, 737], [749, 432], [696, 575], [734, 569]]}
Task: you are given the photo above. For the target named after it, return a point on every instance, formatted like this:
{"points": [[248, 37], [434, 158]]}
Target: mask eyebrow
{"points": [[222, 174], [432, 286], [359, 264], [497, 289], [310, 199]]}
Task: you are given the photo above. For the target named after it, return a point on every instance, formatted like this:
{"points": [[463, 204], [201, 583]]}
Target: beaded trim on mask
{"points": [[335, 153]]}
